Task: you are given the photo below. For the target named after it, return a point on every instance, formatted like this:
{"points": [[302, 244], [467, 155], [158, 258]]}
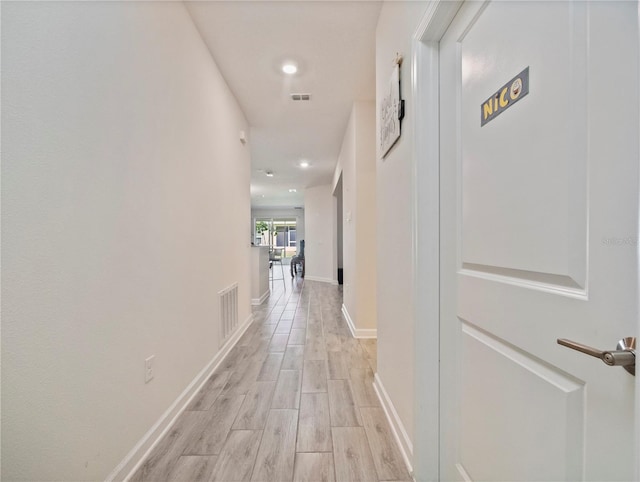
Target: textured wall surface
{"points": [[124, 187], [397, 22], [320, 225]]}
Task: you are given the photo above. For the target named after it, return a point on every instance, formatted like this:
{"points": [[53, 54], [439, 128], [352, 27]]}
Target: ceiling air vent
{"points": [[300, 96]]}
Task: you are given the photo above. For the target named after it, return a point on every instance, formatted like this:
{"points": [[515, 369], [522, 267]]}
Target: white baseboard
{"points": [[134, 459], [322, 280], [358, 332], [397, 427], [259, 301]]}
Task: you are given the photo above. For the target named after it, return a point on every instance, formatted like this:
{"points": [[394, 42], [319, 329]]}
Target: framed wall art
{"points": [[391, 111]]}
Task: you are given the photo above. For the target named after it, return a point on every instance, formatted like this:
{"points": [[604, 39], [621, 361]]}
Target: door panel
{"points": [[535, 208], [524, 173], [551, 429]]}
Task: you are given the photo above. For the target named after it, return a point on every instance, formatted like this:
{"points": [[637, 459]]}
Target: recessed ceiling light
{"points": [[289, 68], [269, 173], [304, 164], [292, 190]]}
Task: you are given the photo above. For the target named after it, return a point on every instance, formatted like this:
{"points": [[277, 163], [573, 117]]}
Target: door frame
{"points": [[425, 56], [425, 76]]}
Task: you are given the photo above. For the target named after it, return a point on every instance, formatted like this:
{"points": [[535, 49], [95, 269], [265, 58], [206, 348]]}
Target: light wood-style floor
{"points": [[293, 401]]}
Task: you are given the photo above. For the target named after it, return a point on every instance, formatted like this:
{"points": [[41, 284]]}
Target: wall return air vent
{"points": [[228, 312], [300, 96]]}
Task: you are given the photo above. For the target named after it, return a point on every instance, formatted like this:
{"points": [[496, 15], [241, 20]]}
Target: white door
{"points": [[539, 223]]}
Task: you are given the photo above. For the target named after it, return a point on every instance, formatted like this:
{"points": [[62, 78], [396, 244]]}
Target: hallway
{"points": [[293, 400]]}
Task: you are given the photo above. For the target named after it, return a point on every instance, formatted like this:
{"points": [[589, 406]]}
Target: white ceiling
{"points": [[333, 44]]}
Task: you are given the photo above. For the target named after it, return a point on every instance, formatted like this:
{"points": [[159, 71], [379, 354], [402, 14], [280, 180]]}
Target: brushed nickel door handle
{"points": [[624, 355]]}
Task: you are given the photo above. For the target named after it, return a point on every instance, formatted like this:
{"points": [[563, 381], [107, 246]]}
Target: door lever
{"points": [[624, 356]]}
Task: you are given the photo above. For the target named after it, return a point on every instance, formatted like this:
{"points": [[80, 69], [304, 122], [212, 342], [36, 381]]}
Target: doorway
{"points": [[337, 193]]}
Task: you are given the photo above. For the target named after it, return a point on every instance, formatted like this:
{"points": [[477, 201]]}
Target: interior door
{"points": [[539, 223]]}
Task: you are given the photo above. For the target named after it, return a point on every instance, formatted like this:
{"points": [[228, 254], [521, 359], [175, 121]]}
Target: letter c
{"points": [[503, 100]]}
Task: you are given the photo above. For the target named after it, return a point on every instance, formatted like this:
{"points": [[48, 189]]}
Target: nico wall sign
{"points": [[505, 97]]}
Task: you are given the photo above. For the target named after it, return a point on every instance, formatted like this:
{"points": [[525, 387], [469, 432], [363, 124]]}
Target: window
{"points": [[280, 233]]}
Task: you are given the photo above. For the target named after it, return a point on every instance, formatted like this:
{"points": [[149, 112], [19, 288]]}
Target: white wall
{"points": [[396, 24], [121, 164], [259, 274], [320, 228], [366, 222], [357, 162]]}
